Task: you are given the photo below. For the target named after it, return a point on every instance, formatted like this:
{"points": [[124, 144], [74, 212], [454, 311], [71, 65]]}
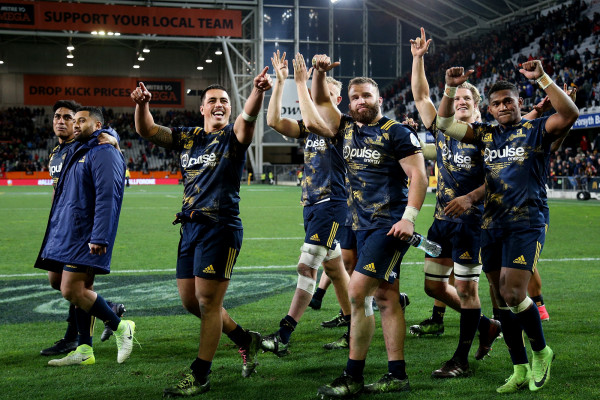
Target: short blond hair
{"points": [[474, 91], [336, 83]]}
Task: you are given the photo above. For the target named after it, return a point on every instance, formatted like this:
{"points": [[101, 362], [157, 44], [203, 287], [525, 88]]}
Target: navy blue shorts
{"points": [[379, 255], [322, 222], [459, 241], [207, 251], [347, 238], [518, 248]]}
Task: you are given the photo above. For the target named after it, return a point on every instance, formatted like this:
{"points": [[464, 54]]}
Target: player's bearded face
{"points": [[364, 103]]}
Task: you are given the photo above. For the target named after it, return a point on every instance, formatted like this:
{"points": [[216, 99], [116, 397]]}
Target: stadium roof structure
{"points": [[452, 19]]}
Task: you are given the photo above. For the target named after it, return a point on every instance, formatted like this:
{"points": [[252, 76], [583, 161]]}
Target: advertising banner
{"points": [[58, 16], [99, 91]]}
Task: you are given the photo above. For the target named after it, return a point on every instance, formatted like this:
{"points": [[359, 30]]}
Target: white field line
{"points": [[263, 267]]}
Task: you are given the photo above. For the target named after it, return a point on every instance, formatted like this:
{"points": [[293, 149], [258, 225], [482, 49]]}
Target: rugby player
{"points": [[457, 220], [324, 200], [81, 231], [516, 152], [212, 159], [62, 125], [381, 156]]}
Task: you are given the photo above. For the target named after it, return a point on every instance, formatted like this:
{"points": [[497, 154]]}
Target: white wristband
{"points": [[544, 81], [249, 118], [410, 214], [450, 91]]}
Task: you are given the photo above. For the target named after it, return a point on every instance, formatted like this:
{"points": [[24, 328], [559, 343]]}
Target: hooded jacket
{"points": [[86, 207]]}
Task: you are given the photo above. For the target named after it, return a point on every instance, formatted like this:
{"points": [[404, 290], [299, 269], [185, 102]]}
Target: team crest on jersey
{"points": [[189, 144], [487, 137], [82, 159], [348, 130]]}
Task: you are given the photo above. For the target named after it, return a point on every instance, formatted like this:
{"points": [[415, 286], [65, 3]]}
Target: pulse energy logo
{"points": [[460, 160], [369, 156], [209, 160], [505, 154]]}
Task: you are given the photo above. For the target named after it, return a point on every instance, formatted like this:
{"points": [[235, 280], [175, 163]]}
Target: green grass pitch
{"points": [[32, 314]]}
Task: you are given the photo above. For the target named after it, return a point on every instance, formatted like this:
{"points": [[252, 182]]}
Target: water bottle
{"points": [[429, 247]]}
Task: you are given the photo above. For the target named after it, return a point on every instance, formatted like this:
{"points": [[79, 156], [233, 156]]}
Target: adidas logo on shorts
{"points": [[520, 260], [209, 270], [315, 237], [465, 256], [370, 268]]}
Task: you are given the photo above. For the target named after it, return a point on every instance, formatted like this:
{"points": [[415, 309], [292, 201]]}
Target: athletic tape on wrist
{"points": [[249, 118], [450, 91], [544, 81], [410, 214]]}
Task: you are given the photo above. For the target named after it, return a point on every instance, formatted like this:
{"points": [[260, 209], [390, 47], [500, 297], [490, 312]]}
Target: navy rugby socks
{"points": [[100, 309]]}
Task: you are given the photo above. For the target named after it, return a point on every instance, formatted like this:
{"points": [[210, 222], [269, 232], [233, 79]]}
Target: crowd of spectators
{"points": [[558, 33]]}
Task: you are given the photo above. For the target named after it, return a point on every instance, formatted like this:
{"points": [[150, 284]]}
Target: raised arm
{"points": [[458, 130], [419, 84], [320, 94], [566, 111], [310, 116], [245, 122], [286, 126], [144, 122], [414, 167]]}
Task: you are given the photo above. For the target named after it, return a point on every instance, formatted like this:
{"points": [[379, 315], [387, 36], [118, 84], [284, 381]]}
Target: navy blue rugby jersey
{"points": [[212, 165], [57, 156], [378, 184], [460, 171], [324, 168], [515, 172]]}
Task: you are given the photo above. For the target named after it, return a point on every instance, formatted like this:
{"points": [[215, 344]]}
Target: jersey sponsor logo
{"points": [[508, 153], [520, 260], [315, 238], [55, 169], [370, 267], [368, 155], [318, 144], [206, 159], [209, 270], [459, 160], [465, 256]]}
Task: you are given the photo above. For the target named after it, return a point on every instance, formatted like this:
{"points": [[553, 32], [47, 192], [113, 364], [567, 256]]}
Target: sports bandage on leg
{"points": [[525, 304], [467, 272], [333, 253], [436, 272], [368, 306], [312, 255], [307, 284], [451, 127], [410, 214]]}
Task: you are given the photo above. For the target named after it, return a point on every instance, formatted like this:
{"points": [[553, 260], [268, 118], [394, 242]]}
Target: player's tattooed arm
{"points": [[163, 137]]}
